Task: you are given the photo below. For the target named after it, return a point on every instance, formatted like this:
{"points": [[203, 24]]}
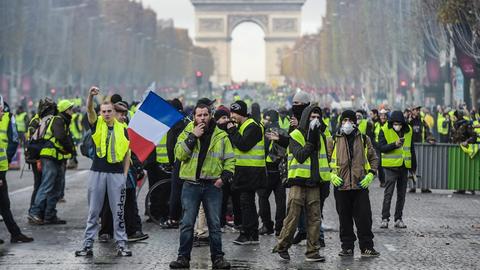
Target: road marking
{"points": [[70, 177], [390, 247]]}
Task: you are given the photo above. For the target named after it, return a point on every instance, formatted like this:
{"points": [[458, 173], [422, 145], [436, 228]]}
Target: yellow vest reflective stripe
{"points": [[4, 141], [303, 170], [3, 130], [255, 157], [118, 144], [53, 148], [334, 164], [441, 130], [20, 121], [401, 155], [161, 149], [362, 127]]}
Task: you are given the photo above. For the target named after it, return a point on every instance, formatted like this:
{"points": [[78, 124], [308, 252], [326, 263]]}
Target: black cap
{"points": [[348, 114], [239, 107]]}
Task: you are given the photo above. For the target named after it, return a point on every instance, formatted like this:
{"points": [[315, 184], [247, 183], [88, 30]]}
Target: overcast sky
{"points": [[250, 45]]}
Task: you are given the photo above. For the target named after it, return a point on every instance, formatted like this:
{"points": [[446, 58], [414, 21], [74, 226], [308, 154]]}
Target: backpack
{"points": [[37, 140], [87, 148]]}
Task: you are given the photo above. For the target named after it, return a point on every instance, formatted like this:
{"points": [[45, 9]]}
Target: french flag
{"points": [[150, 123]]}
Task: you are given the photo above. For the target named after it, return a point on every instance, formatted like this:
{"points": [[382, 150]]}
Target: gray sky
{"points": [[245, 49]]}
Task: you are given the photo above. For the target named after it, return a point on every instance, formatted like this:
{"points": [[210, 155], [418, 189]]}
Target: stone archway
{"points": [[216, 19]]}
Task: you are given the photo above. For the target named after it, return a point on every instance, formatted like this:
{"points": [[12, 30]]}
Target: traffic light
{"points": [[199, 77]]}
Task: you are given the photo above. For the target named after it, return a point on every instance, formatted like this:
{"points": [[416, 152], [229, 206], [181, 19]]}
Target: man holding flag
{"points": [[108, 174]]}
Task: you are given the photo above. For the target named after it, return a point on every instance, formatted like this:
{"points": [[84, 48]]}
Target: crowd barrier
{"points": [[446, 166]]}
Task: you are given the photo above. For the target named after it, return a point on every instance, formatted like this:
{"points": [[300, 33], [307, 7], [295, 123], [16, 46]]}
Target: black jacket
{"points": [[247, 178]]}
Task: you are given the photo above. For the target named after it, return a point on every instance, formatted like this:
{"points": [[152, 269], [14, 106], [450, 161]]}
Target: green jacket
{"points": [[220, 156]]}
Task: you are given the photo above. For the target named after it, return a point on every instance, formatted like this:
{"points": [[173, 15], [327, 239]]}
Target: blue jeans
{"points": [[211, 198], [50, 190]]}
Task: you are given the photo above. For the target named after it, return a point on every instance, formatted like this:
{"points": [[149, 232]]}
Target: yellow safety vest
{"points": [[4, 141], [303, 170], [477, 130], [161, 149], [76, 127], [284, 123], [20, 121], [327, 132], [441, 130], [117, 145], [471, 150], [255, 157], [400, 156], [362, 127], [53, 147], [378, 127]]}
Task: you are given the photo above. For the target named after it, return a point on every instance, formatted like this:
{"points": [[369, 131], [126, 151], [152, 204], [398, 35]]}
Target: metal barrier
{"points": [[446, 166]]}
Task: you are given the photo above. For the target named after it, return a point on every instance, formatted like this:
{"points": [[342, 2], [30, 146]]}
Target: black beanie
{"points": [[348, 114], [219, 113], [239, 107]]}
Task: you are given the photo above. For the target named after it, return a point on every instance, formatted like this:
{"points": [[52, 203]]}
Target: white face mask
{"points": [[347, 128], [397, 127]]}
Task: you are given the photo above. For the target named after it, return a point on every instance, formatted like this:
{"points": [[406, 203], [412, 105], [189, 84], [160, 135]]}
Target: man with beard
{"points": [[58, 148], [207, 161]]}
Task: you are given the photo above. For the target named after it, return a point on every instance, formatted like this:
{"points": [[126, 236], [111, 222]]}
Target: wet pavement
{"points": [[442, 233]]}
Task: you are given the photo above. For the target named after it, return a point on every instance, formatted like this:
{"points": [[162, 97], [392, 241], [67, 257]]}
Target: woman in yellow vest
{"points": [[307, 168], [398, 157]]}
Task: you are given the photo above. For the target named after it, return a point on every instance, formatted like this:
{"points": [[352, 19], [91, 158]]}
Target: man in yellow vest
{"points": [[57, 150], [21, 119], [398, 157], [443, 126], [354, 164], [16, 236], [108, 174], [250, 173], [207, 161], [307, 168]]}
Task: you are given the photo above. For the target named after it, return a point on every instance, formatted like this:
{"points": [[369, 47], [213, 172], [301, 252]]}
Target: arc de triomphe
{"points": [[215, 21]]}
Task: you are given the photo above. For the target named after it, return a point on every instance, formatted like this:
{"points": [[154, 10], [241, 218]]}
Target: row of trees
{"points": [[391, 49], [68, 45]]}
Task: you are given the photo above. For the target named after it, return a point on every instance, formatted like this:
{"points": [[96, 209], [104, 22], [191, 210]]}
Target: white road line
{"points": [[71, 178], [390, 247]]}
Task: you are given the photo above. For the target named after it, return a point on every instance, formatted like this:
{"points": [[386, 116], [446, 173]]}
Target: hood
{"points": [[305, 119], [397, 116]]}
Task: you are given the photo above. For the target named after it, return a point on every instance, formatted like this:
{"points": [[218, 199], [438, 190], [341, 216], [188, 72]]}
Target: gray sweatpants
{"points": [[114, 185]]}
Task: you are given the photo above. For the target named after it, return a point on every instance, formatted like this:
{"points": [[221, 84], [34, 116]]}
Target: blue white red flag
{"points": [[150, 123]]}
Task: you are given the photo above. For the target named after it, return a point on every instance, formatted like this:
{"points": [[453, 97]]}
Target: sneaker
{"points": [[265, 230], [412, 190], [181, 262], [384, 224], [137, 236], [35, 220], [370, 252], [426, 190], [459, 192], [21, 238], [201, 241], [399, 224], [315, 258], [104, 238], [346, 253], [254, 239], [220, 263], [282, 253], [242, 239], [299, 237], [55, 221], [123, 251], [84, 252]]}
